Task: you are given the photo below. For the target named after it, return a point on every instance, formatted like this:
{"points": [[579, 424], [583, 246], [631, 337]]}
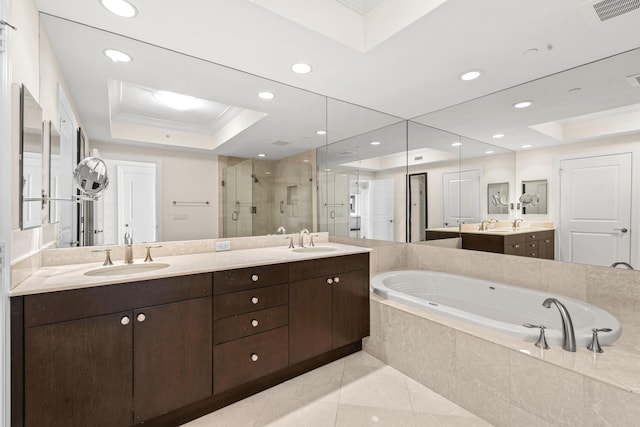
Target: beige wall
{"points": [[182, 176], [33, 64]]}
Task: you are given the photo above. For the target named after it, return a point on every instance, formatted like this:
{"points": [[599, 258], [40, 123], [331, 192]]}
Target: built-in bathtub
{"points": [[497, 306]]}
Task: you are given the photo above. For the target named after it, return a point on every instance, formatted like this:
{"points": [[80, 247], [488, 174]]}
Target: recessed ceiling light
{"points": [[177, 101], [267, 173], [262, 155], [523, 104], [120, 7], [117, 56], [471, 75], [306, 160], [266, 95], [526, 146], [375, 143], [456, 144], [489, 152], [497, 136], [301, 68], [321, 132]]}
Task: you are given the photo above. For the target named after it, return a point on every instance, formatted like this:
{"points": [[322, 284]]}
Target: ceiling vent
{"points": [[598, 11], [634, 80], [361, 6]]}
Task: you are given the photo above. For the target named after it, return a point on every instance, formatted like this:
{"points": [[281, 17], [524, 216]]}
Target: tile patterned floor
{"points": [[357, 390]]}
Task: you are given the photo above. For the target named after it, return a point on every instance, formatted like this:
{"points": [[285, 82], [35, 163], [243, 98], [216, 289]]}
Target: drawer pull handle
{"points": [[329, 281], [254, 278], [125, 320], [141, 317], [254, 300], [516, 246], [547, 241], [336, 280], [254, 323], [254, 357]]}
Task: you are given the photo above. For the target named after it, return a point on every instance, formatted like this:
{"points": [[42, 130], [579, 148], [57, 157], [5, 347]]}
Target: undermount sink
{"points": [[315, 249], [119, 270]]}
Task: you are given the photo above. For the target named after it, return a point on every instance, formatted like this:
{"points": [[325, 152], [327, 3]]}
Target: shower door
{"points": [[238, 200]]}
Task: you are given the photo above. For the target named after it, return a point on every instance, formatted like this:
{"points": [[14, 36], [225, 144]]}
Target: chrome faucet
{"points": [[282, 230], [516, 222], [128, 249], [484, 225], [301, 237], [568, 334]]}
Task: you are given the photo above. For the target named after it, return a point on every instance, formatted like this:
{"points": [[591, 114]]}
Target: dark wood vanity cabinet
{"points": [[113, 355], [328, 304], [538, 244], [165, 351], [251, 333]]}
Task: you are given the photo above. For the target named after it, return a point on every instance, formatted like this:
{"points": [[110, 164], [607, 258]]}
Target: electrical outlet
{"points": [[223, 246]]}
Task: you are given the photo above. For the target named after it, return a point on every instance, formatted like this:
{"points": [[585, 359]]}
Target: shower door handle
{"points": [[623, 229]]}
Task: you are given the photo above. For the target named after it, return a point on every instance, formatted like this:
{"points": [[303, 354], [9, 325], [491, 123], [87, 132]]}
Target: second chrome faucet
{"points": [[568, 333]]}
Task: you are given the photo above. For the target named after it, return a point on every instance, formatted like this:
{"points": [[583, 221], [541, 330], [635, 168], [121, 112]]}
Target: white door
{"points": [[461, 197], [382, 209], [595, 209], [137, 202]]}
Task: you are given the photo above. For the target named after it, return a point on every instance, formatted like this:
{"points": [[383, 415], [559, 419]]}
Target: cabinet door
{"points": [[310, 318], [546, 248], [350, 307], [78, 373], [172, 356]]}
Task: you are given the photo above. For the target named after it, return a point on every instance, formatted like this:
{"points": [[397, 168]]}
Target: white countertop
{"points": [[66, 277]]}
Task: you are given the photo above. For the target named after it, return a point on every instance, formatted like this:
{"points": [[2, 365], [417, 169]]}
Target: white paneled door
{"points": [[461, 197], [136, 201], [595, 209], [382, 209]]}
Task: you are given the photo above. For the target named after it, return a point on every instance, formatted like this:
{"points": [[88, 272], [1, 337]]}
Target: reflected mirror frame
{"points": [[24, 95]]}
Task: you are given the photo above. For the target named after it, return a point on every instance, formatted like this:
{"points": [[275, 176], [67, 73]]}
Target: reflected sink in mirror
{"points": [[314, 249], [119, 270]]}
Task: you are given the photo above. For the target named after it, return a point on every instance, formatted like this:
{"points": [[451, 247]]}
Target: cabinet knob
{"points": [[547, 240], [254, 300], [533, 245], [533, 236], [329, 281], [141, 317], [254, 277], [254, 357], [336, 280], [125, 320], [254, 323], [516, 246]]}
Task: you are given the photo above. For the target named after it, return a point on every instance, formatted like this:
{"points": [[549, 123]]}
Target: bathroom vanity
{"points": [[165, 350]]}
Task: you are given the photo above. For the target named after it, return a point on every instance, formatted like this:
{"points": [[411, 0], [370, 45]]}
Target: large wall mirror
{"points": [[31, 161], [581, 123]]}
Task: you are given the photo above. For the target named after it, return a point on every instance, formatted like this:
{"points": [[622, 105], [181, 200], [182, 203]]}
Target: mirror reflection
{"points": [[498, 198], [31, 161], [55, 173]]}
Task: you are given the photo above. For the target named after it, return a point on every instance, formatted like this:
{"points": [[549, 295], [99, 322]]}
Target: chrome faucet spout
{"points": [[301, 237], [568, 333], [516, 222], [622, 263], [128, 248]]}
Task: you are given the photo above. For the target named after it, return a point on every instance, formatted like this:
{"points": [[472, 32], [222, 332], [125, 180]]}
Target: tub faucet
{"points": [[568, 334], [516, 223], [301, 237], [128, 249], [622, 263]]}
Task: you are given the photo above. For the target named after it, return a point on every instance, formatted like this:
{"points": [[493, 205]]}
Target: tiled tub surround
{"points": [[502, 379]]}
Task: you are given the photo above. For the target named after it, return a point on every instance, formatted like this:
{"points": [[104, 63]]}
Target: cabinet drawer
{"points": [[235, 327], [518, 248], [53, 307], [539, 235], [243, 279], [246, 301], [514, 239], [328, 266], [240, 361]]}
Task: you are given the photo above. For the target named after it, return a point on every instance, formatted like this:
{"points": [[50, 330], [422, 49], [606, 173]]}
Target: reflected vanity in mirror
{"points": [[31, 161]]}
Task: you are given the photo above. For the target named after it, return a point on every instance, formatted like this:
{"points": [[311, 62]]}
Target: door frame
{"points": [[426, 201], [635, 164]]}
